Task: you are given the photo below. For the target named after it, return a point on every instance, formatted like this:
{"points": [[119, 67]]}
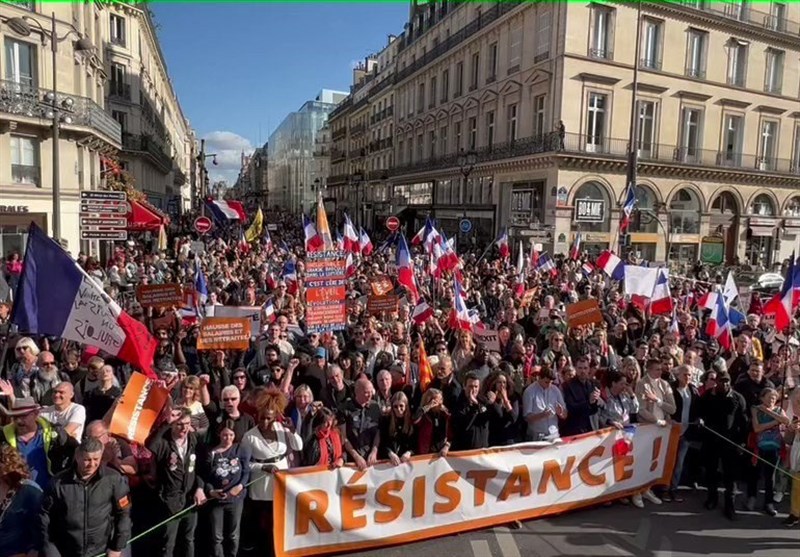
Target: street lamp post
{"points": [[201, 158], [358, 179], [22, 26], [466, 162], [653, 214]]}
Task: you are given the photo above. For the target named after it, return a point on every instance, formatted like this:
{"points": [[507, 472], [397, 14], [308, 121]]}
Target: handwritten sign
{"points": [[224, 333], [137, 409], [326, 290], [488, 337], [159, 295], [376, 305], [584, 312]]}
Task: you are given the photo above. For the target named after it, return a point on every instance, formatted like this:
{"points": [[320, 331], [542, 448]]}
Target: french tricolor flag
{"points": [[719, 327], [422, 312], [351, 240], [627, 208], [269, 311], [364, 243], [405, 269], [313, 240], [612, 265], [661, 300], [575, 249], [502, 244], [459, 315], [289, 275], [783, 304], [57, 298]]}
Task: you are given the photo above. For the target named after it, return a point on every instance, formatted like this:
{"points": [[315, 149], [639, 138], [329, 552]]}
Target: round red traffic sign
{"points": [[202, 224], [393, 223]]}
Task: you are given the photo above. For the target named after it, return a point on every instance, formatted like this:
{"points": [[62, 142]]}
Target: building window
{"points": [[773, 82], [737, 9], [21, 63], [646, 128], [432, 97], [543, 34], [762, 206], [476, 63], [515, 49], [117, 81], [684, 213], [696, 53], [491, 63], [473, 133], [445, 85], [768, 145], [539, 114], [420, 147], [420, 98], [796, 155], [24, 160], [602, 32], [512, 123], [410, 150], [691, 134], [734, 126], [457, 137], [490, 128], [443, 140], [117, 30], [432, 144], [777, 19], [121, 119], [737, 62], [459, 80], [651, 43], [596, 122], [401, 153]]}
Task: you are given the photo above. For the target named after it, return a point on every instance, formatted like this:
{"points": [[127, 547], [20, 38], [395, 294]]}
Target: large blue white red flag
{"points": [[612, 265], [200, 284], [56, 297], [313, 239], [364, 243], [502, 244], [783, 304], [661, 301], [221, 211], [405, 269], [627, 208], [719, 327], [459, 315], [575, 248], [351, 243]]}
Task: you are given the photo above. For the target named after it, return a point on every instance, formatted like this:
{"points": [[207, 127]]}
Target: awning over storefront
{"points": [[143, 218]]}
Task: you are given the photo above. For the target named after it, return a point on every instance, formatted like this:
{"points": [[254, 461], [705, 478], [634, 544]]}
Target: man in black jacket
{"points": [[581, 395], [471, 416], [179, 486], [724, 413], [86, 509]]}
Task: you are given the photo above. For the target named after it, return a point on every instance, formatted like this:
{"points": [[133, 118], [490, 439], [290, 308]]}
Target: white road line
{"points": [[480, 548], [505, 539]]}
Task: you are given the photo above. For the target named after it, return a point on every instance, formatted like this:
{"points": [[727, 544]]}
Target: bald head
{"points": [[364, 391]]}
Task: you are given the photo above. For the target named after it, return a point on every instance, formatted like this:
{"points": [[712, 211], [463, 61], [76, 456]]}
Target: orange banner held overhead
{"points": [[224, 333], [138, 409], [160, 295]]}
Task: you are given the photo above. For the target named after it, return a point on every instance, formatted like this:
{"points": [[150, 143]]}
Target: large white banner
{"points": [[320, 511]]}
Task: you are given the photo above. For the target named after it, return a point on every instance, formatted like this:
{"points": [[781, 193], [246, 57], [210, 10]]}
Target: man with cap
{"points": [[86, 509], [46, 447], [725, 426]]}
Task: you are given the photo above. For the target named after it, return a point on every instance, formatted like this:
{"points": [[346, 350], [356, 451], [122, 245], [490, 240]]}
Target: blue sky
{"points": [[240, 68]]}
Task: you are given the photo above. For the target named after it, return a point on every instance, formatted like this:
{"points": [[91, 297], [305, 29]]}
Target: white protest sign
{"points": [[487, 337]]}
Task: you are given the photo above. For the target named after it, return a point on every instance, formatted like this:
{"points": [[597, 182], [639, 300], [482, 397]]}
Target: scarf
{"points": [[330, 447]]}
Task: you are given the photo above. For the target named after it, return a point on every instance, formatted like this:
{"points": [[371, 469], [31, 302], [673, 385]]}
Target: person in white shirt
{"points": [[543, 405], [656, 406], [65, 413]]}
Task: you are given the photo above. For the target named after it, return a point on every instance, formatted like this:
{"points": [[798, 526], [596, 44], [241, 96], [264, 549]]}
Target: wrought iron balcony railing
{"points": [[146, 144]]}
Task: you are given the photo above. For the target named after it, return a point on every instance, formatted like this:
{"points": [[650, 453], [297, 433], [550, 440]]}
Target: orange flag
{"points": [[323, 229], [425, 371]]}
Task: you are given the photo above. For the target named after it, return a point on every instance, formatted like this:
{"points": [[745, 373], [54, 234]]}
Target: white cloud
{"points": [[228, 147]]}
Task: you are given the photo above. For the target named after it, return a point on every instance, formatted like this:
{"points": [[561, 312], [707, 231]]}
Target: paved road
{"points": [[669, 530]]}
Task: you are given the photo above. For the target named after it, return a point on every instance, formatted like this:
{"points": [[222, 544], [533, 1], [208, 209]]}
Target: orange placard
{"points": [[528, 297], [224, 333], [584, 312], [376, 305], [160, 295], [382, 285], [138, 409]]}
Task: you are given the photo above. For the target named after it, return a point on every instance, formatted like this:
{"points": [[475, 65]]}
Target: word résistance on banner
{"points": [[224, 333], [137, 409], [159, 295], [319, 511]]}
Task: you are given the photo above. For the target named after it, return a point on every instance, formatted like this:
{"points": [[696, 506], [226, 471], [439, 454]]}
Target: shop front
{"points": [[762, 232], [14, 223], [591, 218]]}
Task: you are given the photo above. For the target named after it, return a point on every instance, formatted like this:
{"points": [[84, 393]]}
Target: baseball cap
{"points": [[321, 353]]}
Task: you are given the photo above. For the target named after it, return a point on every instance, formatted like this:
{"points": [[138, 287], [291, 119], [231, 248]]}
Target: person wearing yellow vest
{"points": [[46, 448]]}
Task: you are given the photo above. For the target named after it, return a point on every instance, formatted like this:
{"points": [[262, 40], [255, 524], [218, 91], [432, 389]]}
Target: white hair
{"points": [[229, 390], [27, 342]]}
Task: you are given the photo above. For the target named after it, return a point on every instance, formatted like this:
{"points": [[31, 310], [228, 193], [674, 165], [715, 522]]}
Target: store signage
{"points": [[102, 215], [712, 250], [14, 209], [590, 210]]}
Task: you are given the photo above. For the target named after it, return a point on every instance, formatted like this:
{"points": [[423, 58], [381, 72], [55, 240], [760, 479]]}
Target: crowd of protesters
{"points": [[354, 397]]}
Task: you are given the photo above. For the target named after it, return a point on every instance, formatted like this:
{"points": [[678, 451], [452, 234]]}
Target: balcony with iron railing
{"points": [[19, 99], [178, 176], [742, 13], [337, 155], [602, 147], [145, 144], [357, 129], [338, 134], [336, 180]]}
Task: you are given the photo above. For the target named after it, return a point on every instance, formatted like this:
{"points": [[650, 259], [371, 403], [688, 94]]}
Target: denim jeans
{"points": [[683, 449], [225, 520]]}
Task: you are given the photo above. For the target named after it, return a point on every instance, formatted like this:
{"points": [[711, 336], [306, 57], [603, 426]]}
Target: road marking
{"points": [[505, 539], [480, 548]]}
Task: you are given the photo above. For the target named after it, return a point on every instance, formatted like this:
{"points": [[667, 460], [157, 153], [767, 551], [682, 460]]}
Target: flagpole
{"points": [[486, 251]]}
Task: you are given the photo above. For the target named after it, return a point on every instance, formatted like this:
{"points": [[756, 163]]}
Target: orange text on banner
{"points": [[224, 333], [159, 295], [319, 511], [137, 409]]}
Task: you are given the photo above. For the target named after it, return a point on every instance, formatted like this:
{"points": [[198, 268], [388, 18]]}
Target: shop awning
{"points": [[141, 218], [761, 230]]}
